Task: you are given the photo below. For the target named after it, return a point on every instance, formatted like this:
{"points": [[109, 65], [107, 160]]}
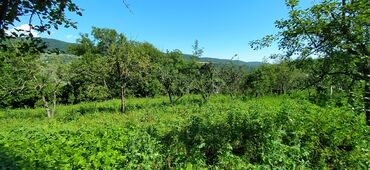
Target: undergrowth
{"points": [[224, 133]]}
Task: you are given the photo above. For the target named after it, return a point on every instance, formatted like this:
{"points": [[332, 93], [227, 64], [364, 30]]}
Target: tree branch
{"points": [[127, 6]]}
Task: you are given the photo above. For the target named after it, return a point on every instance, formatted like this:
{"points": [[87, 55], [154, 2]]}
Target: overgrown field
{"points": [[224, 133]]}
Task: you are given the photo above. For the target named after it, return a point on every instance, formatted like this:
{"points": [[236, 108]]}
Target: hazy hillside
{"points": [[217, 61], [56, 44]]}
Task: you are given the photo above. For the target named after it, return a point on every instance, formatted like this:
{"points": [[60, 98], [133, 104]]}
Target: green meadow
{"points": [[224, 133]]}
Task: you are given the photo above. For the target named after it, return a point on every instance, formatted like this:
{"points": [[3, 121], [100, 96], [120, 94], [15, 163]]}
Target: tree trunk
{"points": [[46, 105], [331, 90], [54, 103], [170, 96], [168, 91], [366, 95], [123, 100], [367, 101]]}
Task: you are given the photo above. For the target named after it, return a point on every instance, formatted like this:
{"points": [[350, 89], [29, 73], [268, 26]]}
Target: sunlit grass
{"points": [[225, 131]]}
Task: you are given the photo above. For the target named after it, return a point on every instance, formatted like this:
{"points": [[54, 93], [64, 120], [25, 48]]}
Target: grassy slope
{"points": [[225, 132]]}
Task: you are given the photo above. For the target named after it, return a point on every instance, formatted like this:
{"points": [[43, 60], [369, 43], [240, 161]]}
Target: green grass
{"points": [[223, 133]]}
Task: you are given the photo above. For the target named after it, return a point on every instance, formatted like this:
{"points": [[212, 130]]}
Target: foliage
{"points": [[197, 51], [51, 13], [173, 76], [124, 61], [269, 132], [203, 130], [206, 81], [79, 148], [18, 65], [337, 32], [232, 77], [50, 77], [280, 78]]}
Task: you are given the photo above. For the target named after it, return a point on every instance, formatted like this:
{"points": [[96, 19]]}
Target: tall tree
{"points": [[203, 74], [232, 76], [336, 31], [207, 82], [197, 51], [51, 76], [173, 77], [90, 78], [124, 58]]}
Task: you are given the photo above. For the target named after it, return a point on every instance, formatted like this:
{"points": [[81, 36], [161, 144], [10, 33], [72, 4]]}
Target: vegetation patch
{"points": [[225, 132]]}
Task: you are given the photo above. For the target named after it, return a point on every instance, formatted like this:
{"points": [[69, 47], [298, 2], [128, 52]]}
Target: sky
{"points": [[222, 27]]}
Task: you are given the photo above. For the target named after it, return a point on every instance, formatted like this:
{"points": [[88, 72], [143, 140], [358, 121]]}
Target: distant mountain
{"points": [[247, 65], [63, 46], [56, 44]]}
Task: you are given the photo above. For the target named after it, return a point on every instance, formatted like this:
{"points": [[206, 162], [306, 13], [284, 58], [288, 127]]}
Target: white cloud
{"points": [[25, 29], [71, 37]]}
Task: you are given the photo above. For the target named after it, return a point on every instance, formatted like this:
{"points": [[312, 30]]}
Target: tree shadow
{"points": [[9, 160]]}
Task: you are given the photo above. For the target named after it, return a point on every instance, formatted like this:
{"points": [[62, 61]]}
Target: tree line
{"points": [[109, 66]]}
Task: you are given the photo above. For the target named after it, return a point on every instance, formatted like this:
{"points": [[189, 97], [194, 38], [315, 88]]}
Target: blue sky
{"points": [[223, 27]]}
